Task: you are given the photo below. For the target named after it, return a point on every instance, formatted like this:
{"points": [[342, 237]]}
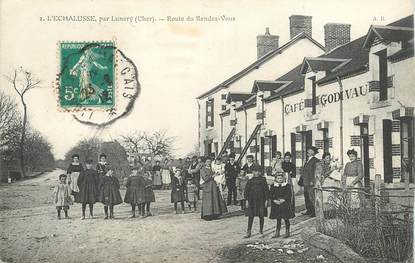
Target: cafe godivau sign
{"points": [[325, 99]]}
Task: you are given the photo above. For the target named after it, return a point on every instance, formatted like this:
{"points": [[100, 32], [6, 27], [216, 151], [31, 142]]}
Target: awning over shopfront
{"points": [[403, 112]]}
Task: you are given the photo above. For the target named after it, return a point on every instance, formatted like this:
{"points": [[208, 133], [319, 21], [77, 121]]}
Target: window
{"points": [[383, 75], [209, 113], [223, 96], [407, 149], [223, 107], [313, 96]]}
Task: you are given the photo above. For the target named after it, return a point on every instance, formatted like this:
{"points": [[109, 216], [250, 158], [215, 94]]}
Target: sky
{"points": [[176, 60]]}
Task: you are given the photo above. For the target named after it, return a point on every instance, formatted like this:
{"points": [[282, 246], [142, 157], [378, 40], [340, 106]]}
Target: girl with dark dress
{"points": [[135, 191], [102, 165], [289, 168], [178, 189], [257, 194], [281, 208], [88, 189], [73, 172], [148, 195], [109, 192]]}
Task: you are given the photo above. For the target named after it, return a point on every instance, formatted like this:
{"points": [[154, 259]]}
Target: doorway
{"points": [[387, 151], [306, 142]]}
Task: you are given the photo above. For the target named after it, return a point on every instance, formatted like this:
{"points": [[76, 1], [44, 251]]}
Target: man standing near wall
{"points": [[309, 173]]}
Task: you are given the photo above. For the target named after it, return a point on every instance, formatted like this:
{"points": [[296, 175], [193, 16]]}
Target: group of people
{"points": [[88, 186], [206, 179]]}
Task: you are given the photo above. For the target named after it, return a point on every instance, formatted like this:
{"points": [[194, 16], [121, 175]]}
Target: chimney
{"points": [[299, 24], [266, 43], [336, 35]]}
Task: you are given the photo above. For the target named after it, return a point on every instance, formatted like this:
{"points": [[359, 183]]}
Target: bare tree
{"points": [[23, 81], [159, 143], [133, 142], [9, 120]]}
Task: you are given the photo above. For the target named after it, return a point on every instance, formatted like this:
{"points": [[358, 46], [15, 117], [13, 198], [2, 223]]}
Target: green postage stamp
{"points": [[87, 75]]}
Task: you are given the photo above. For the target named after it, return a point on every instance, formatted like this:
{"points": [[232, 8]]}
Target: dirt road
{"points": [[30, 232]]}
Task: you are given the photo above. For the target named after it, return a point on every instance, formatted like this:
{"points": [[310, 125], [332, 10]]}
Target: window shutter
{"points": [[212, 119], [207, 113]]}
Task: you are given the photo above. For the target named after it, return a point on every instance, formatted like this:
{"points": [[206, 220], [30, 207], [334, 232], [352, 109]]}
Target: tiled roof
{"points": [[322, 64], [226, 112], [235, 96], [402, 54], [296, 84], [251, 102], [267, 85], [388, 33], [259, 62], [352, 50]]}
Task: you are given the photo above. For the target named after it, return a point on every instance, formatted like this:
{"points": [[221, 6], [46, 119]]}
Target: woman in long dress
{"points": [[353, 174], [157, 175], [212, 203], [166, 174], [73, 172]]}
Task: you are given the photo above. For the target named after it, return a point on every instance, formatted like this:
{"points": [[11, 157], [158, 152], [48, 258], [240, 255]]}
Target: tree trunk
{"points": [[22, 139]]}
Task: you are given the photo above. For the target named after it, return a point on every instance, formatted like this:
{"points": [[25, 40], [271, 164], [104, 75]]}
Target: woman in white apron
{"points": [[73, 172], [165, 174], [353, 174]]}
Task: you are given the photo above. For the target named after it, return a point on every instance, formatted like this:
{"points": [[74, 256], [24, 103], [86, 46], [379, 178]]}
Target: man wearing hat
{"points": [[232, 170], [309, 174]]}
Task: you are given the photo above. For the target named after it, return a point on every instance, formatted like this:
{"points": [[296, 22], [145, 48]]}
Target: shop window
{"points": [[383, 75], [313, 96], [209, 113]]}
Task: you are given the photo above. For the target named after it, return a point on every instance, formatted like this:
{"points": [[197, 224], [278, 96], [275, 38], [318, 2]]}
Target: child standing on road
{"points": [[110, 192], [148, 195], [177, 190], [192, 195], [241, 181], [257, 194], [281, 208], [62, 196], [135, 191]]}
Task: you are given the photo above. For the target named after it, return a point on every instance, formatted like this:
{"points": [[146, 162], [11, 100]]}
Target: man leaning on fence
{"points": [[308, 180]]}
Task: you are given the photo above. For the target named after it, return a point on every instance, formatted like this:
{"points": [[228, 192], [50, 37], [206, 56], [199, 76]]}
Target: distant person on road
{"points": [[281, 207], [73, 172], [192, 195], [88, 189], [102, 165], [135, 191], [166, 174], [257, 194], [178, 189], [232, 170], [109, 192], [157, 175], [148, 195], [194, 170], [241, 182], [62, 196]]}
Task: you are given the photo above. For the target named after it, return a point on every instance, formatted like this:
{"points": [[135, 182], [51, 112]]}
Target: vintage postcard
{"points": [[207, 131]]}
